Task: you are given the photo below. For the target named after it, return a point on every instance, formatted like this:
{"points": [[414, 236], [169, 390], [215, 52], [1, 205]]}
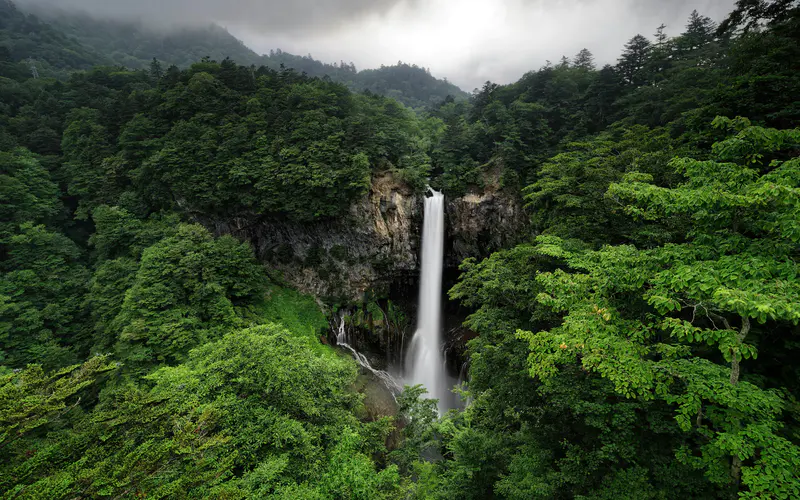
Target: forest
{"points": [[641, 342]]}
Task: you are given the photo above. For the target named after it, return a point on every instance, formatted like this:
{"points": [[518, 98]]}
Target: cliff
{"points": [[377, 241]]}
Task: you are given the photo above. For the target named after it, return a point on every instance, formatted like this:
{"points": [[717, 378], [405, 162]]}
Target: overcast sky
{"points": [[467, 41]]}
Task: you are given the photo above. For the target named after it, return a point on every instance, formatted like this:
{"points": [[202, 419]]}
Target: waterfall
{"points": [[342, 340], [425, 363]]}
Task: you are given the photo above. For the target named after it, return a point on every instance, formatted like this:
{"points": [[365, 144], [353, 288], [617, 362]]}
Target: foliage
{"points": [[189, 289], [635, 316], [411, 85], [40, 319], [27, 192], [567, 200], [30, 398], [219, 422]]}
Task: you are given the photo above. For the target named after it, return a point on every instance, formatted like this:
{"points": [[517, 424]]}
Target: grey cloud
{"points": [[605, 34], [467, 41], [285, 16]]}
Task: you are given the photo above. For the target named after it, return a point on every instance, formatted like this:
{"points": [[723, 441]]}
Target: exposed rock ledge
{"points": [[377, 241], [479, 224]]}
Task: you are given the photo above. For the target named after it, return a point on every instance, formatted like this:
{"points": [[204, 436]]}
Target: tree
{"points": [[26, 191], [41, 287], [661, 36], [632, 63], [258, 412], [568, 197], [710, 290], [32, 398], [601, 96], [749, 14], [762, 77], [94, 177], [571, 436], [188, 290], [156, 71], [584, 60], [700, 31]]}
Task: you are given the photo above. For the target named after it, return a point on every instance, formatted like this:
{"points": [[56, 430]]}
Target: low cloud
{"points": [[467, 41], [290, 16]]}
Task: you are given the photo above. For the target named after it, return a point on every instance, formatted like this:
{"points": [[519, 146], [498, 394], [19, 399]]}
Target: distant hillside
{"points": [[78, 41], [24, 36], [408, 83], [133, 45]]}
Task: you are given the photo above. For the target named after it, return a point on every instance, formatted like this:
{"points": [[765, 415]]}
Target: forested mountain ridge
{"points": [[24, 37], [134, 45], [640, 343], [408, 83]]}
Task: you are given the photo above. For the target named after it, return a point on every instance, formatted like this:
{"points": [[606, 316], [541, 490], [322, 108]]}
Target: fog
{"points": [[467, 41]]}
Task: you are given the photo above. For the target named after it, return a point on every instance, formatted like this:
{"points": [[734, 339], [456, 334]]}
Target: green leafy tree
{"points": [[32, 402], [571, 437], [41, 287], [189, 289], [601, 96], [258, 412], [700, 30], [119, 240], [568, 198], [584, 60], [641, 318], [26, 191], [633, 62], [762, 81], [749, 14], [94, 177]]}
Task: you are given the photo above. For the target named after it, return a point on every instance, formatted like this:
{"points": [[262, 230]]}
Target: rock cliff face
{"points": [[479, 224], [377, 241]]}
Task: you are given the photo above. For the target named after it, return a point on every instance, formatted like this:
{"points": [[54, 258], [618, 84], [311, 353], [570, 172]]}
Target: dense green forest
{"points": [[641, 344]]}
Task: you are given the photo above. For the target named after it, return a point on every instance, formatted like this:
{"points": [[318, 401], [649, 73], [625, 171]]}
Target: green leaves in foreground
{"points": [[189, 288], [643, 318], [256, 413]]}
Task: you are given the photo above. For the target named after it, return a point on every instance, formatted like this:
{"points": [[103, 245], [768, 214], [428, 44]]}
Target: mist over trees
{"points": [[640, 343], [78, 41]]}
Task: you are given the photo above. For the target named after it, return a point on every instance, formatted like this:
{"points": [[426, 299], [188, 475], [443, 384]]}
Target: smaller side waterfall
{"points": [[343, 340]]}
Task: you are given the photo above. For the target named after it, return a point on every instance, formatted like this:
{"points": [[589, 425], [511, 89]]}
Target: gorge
{"points": [[222, 279]]}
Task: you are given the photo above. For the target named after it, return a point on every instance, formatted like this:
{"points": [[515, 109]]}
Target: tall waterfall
{"points": [[425, 363]]}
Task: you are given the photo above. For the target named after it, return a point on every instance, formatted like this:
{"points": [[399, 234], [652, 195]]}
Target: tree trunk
{"points": [[736, 463], [734, 360]]}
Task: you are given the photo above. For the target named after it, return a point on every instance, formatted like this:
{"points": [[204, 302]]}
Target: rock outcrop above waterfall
{"points": [[377, 241], [479, 224]]}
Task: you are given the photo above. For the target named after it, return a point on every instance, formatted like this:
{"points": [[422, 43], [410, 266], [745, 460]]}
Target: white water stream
{"points": [[387, 379], [425, 363]]}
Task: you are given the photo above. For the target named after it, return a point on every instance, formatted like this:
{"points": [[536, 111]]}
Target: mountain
{"points": [[25, 36], [72, 40], [410, 84], [134, 45]]}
